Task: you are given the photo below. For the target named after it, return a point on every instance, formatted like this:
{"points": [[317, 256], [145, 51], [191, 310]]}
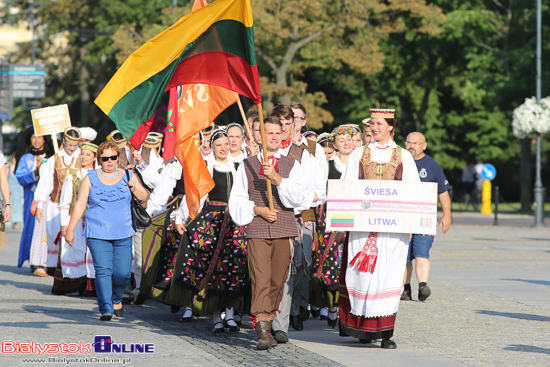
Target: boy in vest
{"points": [[268, 232]]}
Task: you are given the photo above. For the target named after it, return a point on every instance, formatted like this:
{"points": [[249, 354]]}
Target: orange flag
{"points": [[198, 106]]}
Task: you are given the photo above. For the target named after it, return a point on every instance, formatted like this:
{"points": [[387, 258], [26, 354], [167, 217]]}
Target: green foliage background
{"points": [[453, 69]]}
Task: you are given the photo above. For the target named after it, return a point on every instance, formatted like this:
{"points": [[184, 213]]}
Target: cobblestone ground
{"points": [[490, 306]]}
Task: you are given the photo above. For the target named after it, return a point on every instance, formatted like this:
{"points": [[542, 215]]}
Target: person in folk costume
{"points": [[88, 135], [326, 260], [268, 232], [311, 161], [204, 143], [238, 149], [310, 136], [75, 269], [357, 135], [211, 273], [367, 133], [251, 141], [161, 239], [31, 152], [324, 141], [52, 175], [373, 264], [148, 165]]}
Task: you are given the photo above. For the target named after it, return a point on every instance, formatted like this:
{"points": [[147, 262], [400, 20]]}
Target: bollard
{"points": [[495, 223], [486, 198]]}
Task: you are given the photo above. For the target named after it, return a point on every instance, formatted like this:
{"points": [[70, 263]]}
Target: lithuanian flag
{"points": [[212, 45], [210, 53]]}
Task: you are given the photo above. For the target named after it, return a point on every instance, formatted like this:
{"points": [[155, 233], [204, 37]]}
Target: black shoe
{"points": [[406, 296], [332, 323], [126, 301], [218, 328], [296, 323], [424, 293], [174, 309], [140, 299], [233, 328], [315, 313], [364, 341], [304, 314], [106, 317], [239, 321], [187, 315], [119, 312], [389, 344], [281, 337]]}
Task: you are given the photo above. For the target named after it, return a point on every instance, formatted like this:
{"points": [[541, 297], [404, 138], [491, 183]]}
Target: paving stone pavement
{"points": [[490, 306]]}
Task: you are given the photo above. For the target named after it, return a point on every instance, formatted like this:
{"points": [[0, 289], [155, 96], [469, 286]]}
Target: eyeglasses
{"points": [[112, 158], [299, 118], [414, 143]]}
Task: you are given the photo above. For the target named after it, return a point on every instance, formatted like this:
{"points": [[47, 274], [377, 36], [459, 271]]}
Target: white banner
{"points": [[382, 206]]}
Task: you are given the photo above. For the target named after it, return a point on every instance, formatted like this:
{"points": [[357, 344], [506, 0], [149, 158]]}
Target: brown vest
{"points": [[285, 225], [60, 173], [392, 170]]}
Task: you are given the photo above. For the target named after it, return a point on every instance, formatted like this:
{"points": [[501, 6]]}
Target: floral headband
{"points": [[341, 130], [215, 133], [323, 137]]}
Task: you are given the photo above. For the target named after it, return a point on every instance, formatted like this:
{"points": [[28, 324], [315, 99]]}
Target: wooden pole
{"points": [[264, 148], [245, 121], [54, 142]]}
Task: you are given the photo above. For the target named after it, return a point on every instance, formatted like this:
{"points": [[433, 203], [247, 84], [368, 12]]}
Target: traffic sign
{"points": [[24, 80], [488, 172]]}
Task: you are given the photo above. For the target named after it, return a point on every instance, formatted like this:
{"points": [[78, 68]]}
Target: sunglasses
{"points": [[112, 158]]}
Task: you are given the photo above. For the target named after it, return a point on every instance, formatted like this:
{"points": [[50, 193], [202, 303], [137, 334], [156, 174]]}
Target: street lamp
{"points": [[539, 190]]}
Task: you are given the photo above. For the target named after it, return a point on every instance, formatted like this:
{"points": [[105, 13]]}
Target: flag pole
{"points": [[248, 133], [262, 131]]}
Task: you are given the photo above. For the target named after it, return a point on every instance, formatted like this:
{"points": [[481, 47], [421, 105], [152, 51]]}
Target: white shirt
{"points": [[316, 174], [182, 214], [238, 159], [292, 192], [66, 196], [150, 172], [45, 184], [410, 172], [164, 187]]}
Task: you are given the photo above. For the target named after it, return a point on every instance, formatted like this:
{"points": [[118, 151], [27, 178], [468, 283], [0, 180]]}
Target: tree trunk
{"points": [[84, 93], [526, 183]]}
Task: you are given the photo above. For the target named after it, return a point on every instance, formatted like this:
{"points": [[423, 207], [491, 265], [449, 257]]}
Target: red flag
{"points": [[141, 133], [172, 122]]}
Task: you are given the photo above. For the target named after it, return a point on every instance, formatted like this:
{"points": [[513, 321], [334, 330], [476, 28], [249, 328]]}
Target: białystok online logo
{"points": [[101, 344]]}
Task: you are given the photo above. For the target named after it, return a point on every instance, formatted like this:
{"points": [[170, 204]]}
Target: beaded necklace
{"points": [[108, 176]]}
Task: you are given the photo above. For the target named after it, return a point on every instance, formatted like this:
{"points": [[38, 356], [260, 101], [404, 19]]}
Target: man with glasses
{"points": [[419, 248]]}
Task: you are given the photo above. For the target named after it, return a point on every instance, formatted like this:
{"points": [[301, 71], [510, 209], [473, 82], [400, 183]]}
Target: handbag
{"points": [[140, 218]]}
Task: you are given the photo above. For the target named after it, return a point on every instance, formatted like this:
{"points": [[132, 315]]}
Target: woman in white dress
{"points": [[373, 263], [75, 264]]}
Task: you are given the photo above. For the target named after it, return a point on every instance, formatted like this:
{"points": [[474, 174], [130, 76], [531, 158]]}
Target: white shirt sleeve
{"points": [[164, 188], [65, 200], [240, 205], [45, 183], [150, 173], [181, 215], [293, 190], [410, 171], [351, 172]]}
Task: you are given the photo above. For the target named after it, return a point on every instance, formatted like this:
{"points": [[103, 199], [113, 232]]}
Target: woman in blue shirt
{"points": [[105, 196]]}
